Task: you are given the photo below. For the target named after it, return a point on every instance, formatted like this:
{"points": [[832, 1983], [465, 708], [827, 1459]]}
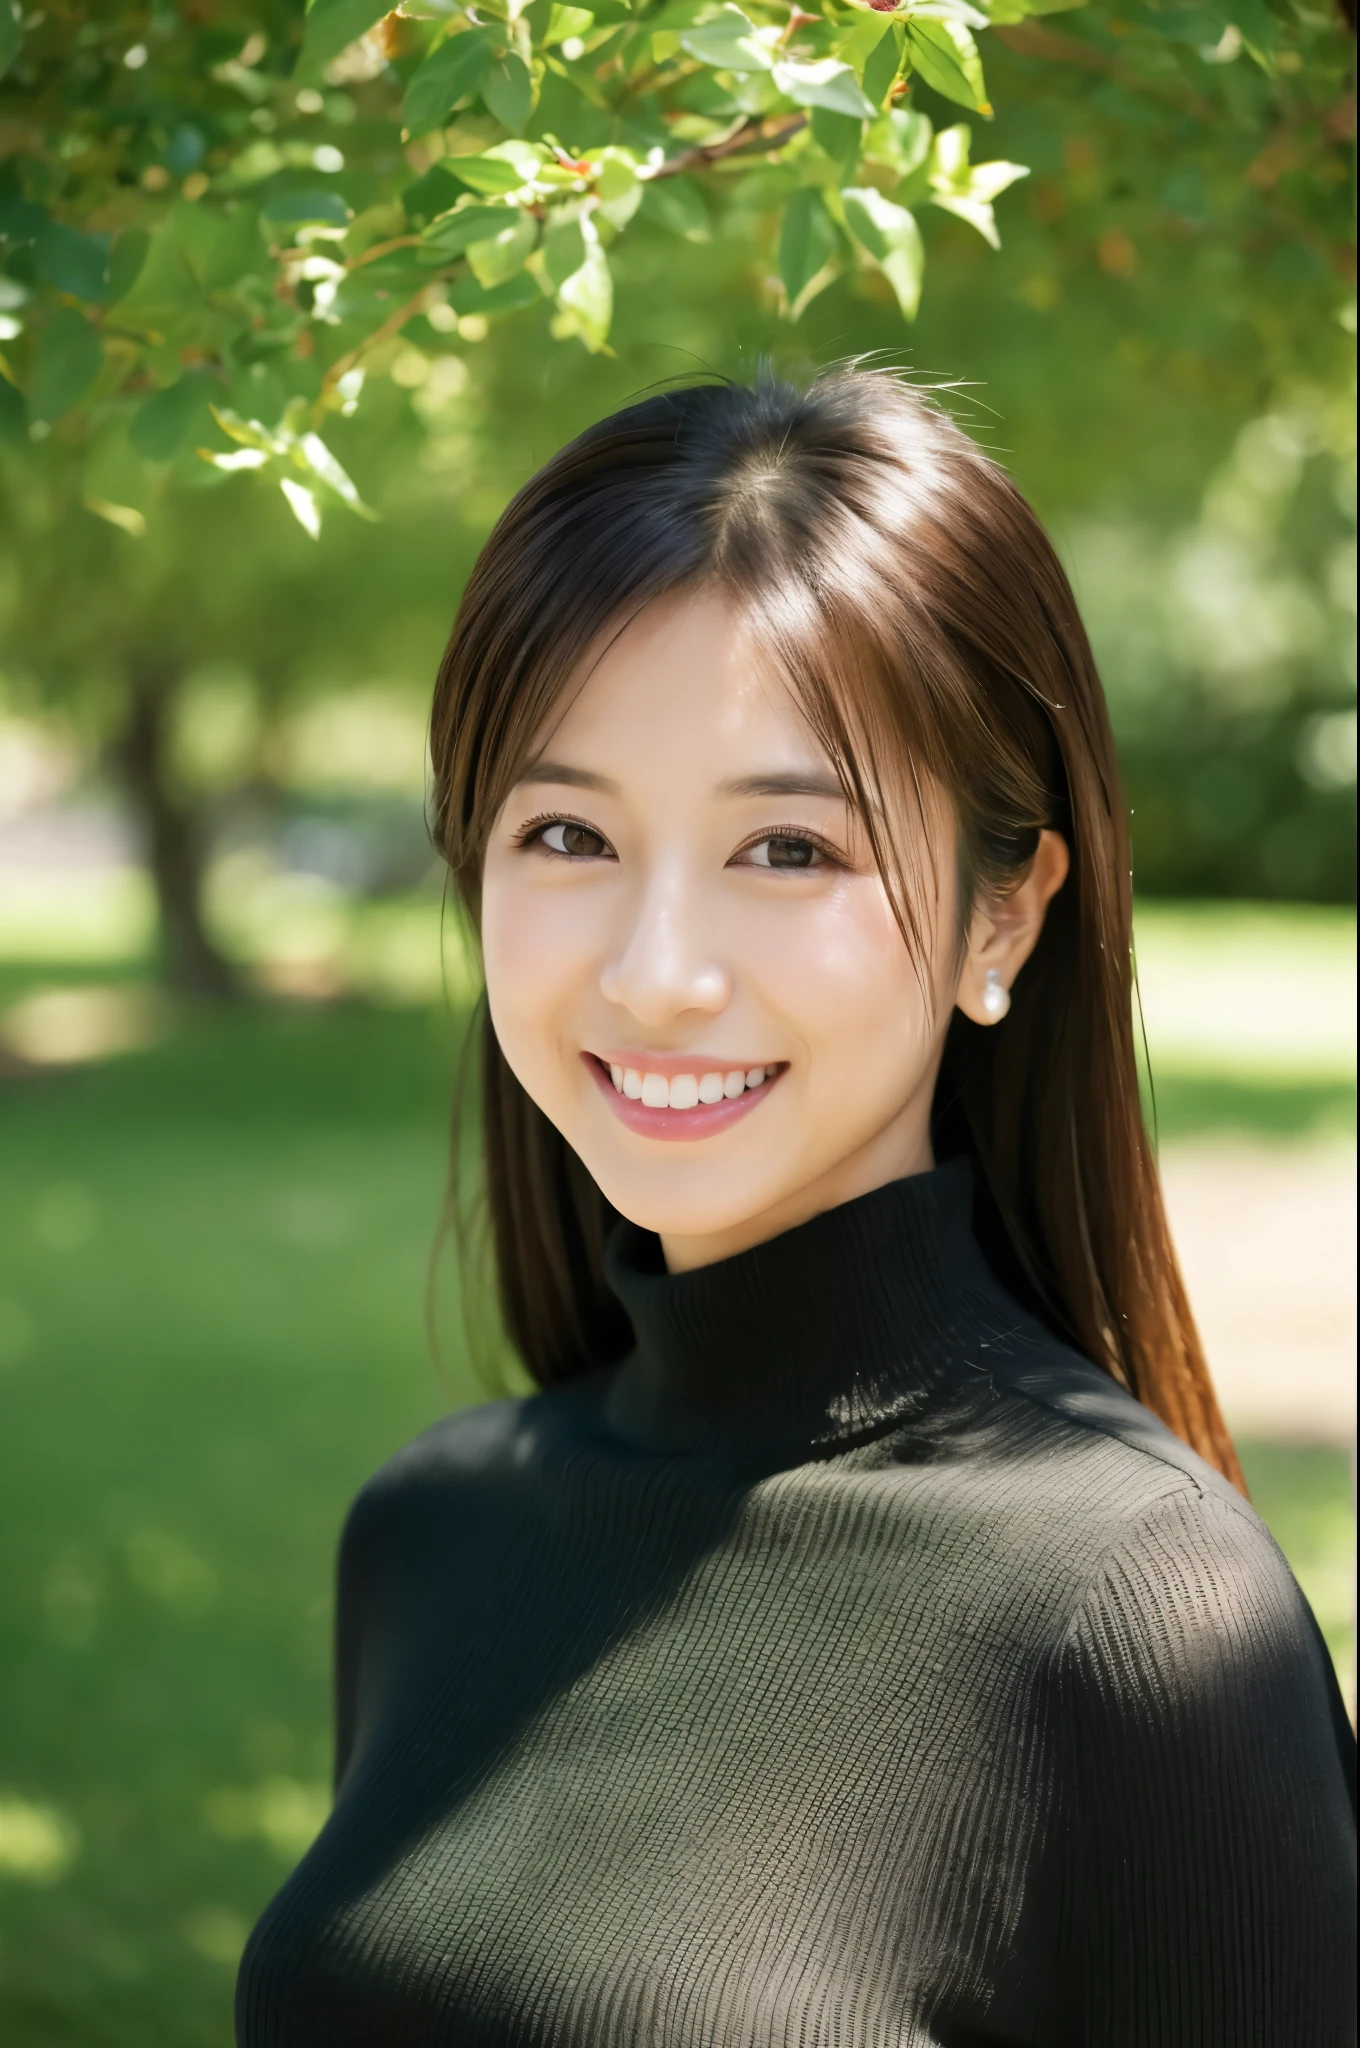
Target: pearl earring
{"points": [[996, 997]]}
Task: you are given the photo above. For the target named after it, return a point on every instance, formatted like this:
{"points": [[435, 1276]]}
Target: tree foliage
{"points": [[216, 220]]}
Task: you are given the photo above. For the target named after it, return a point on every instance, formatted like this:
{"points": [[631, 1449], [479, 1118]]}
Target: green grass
{"points": [[212, 1261]]}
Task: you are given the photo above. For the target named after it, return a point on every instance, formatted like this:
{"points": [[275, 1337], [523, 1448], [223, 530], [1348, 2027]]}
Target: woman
{"points": [[862, 1636]]}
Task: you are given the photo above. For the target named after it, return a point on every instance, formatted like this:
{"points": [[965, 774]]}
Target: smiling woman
{"points": [[862, 1635]]}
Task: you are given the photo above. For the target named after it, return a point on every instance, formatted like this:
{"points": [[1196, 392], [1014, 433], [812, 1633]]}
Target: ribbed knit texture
{"points": [[853, 1667]]}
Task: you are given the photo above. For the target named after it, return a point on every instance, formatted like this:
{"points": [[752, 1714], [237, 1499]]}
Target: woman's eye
{"points": [[785, 850], [577, 841]]}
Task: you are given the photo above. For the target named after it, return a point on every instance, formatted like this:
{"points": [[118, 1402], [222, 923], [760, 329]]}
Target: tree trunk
{"points": [[174, 846]]}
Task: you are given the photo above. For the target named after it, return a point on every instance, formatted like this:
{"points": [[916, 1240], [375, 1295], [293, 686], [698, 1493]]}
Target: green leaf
{"points": [[498, 257], [454, 232], [13, 413], [854, 44], [219, 248], [961, 11], [164, 291], [66, 363], [487, 175], [564, 22], [257, 393], [1259, 28], [890, 235], [11, 34], [162, 426], [249, 433], [946, 56], [728, 42], [827, 83], [467, 296], [72, 262], [676, 15], [115, 485], [20, 220], [129, 254], [301, 503], [431, 195], [806, 240], [678, 204], [332, 25], [883, 63], [564, 249], [900, 139], [837, 134], [967, 190], [455, 71], [587, 297], [312, 454], [508, 93], [314, 207], [618, 186]]}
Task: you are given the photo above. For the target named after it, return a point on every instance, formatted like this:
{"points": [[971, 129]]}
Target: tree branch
{"points": [[378, 249], [391, 327], [752, 136]]}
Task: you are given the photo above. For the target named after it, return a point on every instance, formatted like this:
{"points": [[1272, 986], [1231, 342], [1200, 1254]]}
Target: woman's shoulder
{"points": [[464, 1459], [1177, 1570], [1092, 1436], [1130, 1495]]}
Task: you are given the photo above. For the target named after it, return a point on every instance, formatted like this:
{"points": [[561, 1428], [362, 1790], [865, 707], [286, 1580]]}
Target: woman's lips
{"points": [[704, 1120]]}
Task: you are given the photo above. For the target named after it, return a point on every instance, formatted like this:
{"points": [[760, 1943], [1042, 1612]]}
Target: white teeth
{"points": [[685, 1091]]}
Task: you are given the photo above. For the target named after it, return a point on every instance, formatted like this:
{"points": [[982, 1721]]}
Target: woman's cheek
{"points": [[540, 949], [837, 966]]}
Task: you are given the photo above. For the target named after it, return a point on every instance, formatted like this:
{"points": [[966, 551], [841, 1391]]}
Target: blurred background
{"points": [[230, 1002]]}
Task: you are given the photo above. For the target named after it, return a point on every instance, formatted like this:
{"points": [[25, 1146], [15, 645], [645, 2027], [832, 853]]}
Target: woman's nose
{"points": [[664, 964]]}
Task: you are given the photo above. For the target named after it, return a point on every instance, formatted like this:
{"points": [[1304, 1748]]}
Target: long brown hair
{"points": [[909, 595]]}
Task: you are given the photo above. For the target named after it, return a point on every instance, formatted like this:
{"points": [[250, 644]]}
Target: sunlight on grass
{"points": [[62, 1026], [38, 1844], [104, 915]]}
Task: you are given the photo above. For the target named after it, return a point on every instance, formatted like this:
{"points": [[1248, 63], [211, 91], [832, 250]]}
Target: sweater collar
{"points": [[821, 1337]]}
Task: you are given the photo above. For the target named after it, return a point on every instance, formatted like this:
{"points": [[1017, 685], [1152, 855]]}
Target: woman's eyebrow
{"points": [[791, 782], [574, 778]]}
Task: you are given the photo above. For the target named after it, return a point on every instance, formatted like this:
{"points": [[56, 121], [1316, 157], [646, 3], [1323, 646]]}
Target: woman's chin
{"points": [[704, 1208]]}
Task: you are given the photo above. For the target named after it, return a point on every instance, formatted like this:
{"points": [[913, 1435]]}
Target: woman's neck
{"points": [[853, 1320]]}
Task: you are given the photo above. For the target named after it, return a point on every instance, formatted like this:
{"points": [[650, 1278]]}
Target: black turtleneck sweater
{"points": [[853, 1667]]}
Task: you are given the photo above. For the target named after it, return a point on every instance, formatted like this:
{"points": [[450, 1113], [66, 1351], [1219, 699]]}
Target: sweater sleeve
{"points": [[1210, 1837]]}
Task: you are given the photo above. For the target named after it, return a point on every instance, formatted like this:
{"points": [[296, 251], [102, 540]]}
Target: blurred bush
{"points": [[1228, 649]]}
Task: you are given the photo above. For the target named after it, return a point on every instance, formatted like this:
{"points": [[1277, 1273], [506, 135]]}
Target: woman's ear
{"points": [[1005, 930]]}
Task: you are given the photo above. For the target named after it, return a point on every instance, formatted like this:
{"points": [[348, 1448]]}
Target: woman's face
{"points": [[692, 963]]}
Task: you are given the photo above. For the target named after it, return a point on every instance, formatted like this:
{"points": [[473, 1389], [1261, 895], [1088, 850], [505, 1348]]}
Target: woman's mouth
{"points": [[685, 1101]]}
